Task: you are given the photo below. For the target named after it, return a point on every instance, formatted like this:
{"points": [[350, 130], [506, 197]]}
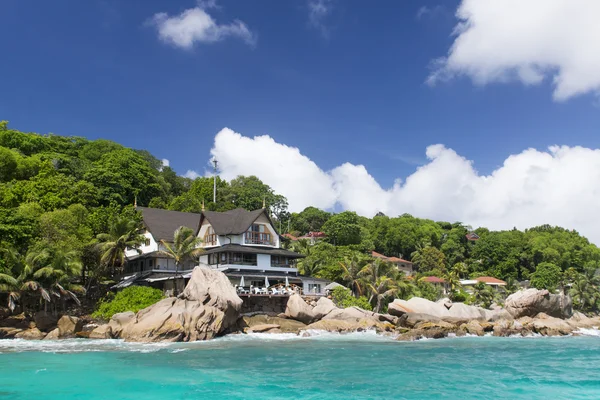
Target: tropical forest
{"points": [[67, 214]]}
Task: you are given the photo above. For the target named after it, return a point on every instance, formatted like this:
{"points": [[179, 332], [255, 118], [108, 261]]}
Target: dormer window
{"points": [[258, 234], [210, 238]]}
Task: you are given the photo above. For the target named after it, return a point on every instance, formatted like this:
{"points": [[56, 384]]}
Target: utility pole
{"points": [[215, 163]]}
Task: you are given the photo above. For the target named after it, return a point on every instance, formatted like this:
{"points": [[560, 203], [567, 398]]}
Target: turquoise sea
{"points": [[356, 366]]}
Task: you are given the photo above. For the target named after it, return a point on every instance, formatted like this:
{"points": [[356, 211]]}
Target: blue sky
{"points": [[348, 85]]}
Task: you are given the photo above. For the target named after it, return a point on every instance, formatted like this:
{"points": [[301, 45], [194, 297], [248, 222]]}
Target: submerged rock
{"points": [[285, 325], [432, 330], [298, 309], [551, 326], [208, 307], [264, 328], [531, 302]]}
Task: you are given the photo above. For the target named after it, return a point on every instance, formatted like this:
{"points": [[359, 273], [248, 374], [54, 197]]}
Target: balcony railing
{"points": [[258, 238], [210, 240]]}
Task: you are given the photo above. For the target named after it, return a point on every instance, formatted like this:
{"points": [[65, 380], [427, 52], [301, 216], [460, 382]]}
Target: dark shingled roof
{"points": [[233, 222], [238, 248], [163, 223]]}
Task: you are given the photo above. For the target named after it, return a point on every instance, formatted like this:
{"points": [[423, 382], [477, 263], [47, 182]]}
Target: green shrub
{"points": [[342, 297], [133, 298], [459, 296]]}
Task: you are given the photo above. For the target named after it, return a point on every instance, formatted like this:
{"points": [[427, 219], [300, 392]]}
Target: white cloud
{"points": [[429, 11], [559, 186], [318, 11], [191, 174], [165, 162], [526, 41], [195, 25]]}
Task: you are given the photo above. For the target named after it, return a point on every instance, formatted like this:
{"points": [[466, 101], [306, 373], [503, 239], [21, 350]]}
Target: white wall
{"points": [[307, 282], [152, 246], [263, 260]]}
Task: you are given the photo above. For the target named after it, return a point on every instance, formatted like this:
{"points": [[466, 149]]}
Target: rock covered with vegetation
{"points": [[207, 308]]}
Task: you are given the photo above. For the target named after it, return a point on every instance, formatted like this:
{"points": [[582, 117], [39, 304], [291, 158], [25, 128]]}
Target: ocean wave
{"points": [[595, 332], [78, 346]]}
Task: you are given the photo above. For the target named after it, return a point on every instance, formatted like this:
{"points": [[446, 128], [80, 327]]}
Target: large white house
{"points": [[242, 244]]}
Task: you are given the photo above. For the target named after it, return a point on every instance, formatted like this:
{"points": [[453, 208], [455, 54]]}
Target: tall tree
{"points": [[185, 247], [352, 272], [124, 233], [18, 280]]}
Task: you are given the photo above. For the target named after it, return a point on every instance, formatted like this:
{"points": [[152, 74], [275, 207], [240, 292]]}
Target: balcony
{"points": [[210, 240], [258, 238]]}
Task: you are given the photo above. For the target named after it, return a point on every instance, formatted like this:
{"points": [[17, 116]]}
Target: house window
{"points": [[213, 259], [314, 288], [242, 259], [279, 261], [150, 263], [210, 238], [258, 234]]}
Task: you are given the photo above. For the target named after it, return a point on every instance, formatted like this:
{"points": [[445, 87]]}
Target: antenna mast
{"points": [[215, 164]]}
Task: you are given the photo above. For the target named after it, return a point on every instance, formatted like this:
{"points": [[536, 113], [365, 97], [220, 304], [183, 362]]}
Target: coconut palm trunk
{"points": [[185, 247]]}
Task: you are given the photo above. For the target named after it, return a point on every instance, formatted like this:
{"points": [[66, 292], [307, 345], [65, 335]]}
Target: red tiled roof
{"points": [[378, 255], [489, 279], [398, 260], [313, 235], [472, 236], [433, 279], [289, 236]]}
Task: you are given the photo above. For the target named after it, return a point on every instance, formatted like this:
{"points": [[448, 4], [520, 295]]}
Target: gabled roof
{"points": [[433, 279], [162, 224], [398, 260], [472, 236], [233, 222], [390, 259], [377, 255], [490, 280]]}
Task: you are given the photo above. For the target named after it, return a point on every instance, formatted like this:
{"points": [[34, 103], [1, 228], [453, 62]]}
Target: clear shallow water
{"points": [[358, 366]]}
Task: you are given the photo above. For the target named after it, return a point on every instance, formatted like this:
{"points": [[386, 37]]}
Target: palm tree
{"points": [[460, 268], [352, 272], [483, 294], [19, 280], [383, 288], [452, 281], [123, 234], [310, 267], [58, 270], [511, 285], [375, 269], [185, 247], [584, 291]]}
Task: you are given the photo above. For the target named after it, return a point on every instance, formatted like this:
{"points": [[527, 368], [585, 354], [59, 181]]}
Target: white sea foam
{"points": [[588, 332], [104, 345], [77, 346]]}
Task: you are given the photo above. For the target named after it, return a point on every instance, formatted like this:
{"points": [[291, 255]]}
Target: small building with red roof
{"points": [[403, 265], [468, 284], [313, 237]]}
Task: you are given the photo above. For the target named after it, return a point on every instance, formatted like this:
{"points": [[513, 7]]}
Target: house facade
{"points": [[242, 244]]}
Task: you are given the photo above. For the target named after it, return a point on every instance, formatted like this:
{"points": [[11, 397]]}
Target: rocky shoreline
{"points": [[209, 307]]}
